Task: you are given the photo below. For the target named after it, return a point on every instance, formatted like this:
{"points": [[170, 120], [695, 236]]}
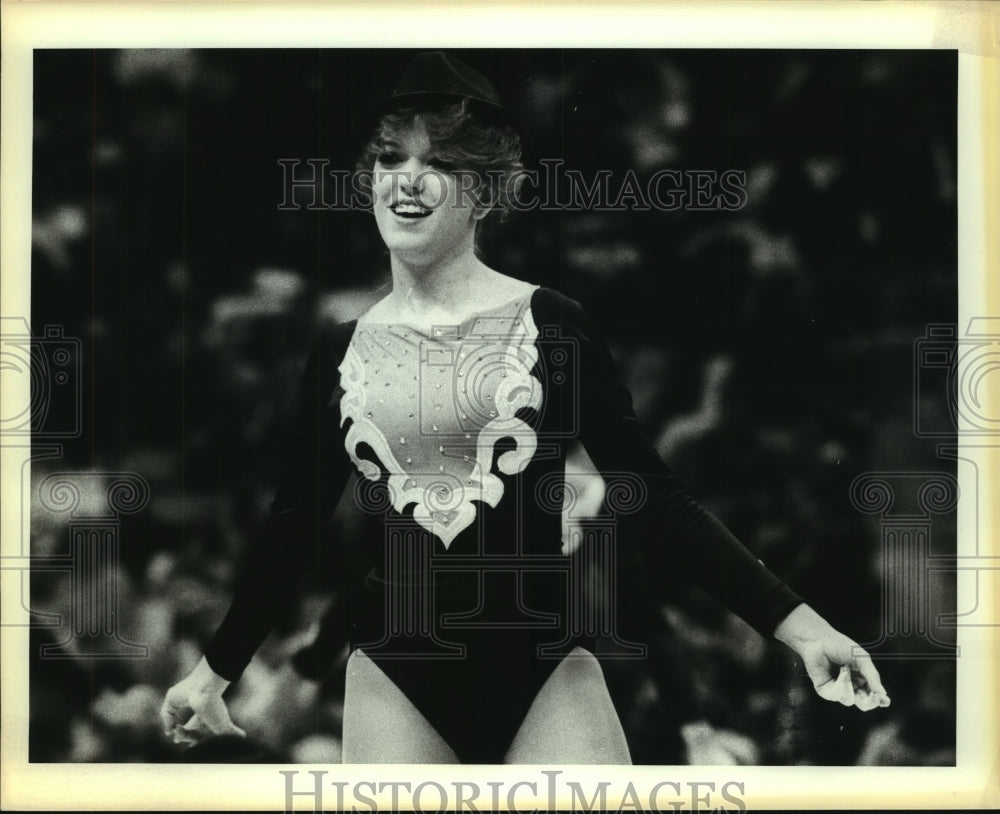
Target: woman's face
{"points": [[424, 209]]}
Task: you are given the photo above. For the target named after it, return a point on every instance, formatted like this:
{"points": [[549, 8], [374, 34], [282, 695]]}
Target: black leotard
{"points": [[459, 588]]}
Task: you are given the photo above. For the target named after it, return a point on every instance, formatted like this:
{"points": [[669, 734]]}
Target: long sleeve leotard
{"points": [[456, 436]]}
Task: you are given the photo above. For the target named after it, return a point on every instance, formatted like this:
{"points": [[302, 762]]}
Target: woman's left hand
{"points": [[841, 670]]}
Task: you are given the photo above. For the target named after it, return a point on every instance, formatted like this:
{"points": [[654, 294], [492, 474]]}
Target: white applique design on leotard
{"points": [[432, 405]]}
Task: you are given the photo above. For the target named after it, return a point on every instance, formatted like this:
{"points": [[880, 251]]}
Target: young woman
{"points": [[454, 401]]}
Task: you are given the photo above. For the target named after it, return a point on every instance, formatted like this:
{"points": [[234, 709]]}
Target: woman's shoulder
{"points": [[551, 306], [552, 297], [332, 341], [380, 311]]}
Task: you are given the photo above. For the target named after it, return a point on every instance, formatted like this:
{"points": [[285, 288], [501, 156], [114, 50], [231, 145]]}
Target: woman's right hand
{"points": [[194, 710]]}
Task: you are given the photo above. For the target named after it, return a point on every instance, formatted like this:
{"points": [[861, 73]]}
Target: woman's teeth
{"points": [[409, 210]]}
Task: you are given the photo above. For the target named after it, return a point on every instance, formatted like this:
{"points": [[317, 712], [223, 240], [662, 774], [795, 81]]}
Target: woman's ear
{"points": [[485, 202]]}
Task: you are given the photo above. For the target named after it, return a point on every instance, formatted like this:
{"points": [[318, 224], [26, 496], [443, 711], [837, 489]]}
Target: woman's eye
{"points": [[389, 158], [442, 165]]}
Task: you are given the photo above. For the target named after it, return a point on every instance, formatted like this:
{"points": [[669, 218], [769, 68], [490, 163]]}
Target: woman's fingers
{"points": [[828, 690], [840, 689], [189, 718], [167, 716], [182, 737], [216, 719], [856, 684], [843, 672], [865, 700], [193, 732], [866, 669], [175, 711], [846, 685]]}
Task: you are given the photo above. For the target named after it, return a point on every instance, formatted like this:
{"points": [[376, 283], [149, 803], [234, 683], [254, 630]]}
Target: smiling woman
{"points": [[455, 401], [423, 214], [450, 160]]}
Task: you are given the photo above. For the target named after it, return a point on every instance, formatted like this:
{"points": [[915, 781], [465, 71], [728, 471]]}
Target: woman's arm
{"points": [[669, 531], [314, 475], [313, 478], [677, 533]]}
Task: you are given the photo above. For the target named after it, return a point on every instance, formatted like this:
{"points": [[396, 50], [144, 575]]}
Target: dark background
{"points": [[769, 349]]}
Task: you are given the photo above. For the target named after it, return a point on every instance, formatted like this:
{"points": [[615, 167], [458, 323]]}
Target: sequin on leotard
{"points": [[432, 404]]}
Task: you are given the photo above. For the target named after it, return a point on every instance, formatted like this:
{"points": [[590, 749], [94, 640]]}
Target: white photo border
{"points": [[971, 28]]}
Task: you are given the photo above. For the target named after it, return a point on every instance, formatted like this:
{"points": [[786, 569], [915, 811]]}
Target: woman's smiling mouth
{"points": [[409, 209]]}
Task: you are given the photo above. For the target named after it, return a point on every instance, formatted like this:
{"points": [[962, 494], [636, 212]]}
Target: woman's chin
{"points": [[417, 251], [414, 255]]}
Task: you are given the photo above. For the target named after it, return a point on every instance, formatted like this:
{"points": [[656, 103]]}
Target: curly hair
{"points": [[461, 139]]}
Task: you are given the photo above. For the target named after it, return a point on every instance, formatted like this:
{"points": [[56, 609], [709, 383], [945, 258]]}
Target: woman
{"points": [[456, 399]]}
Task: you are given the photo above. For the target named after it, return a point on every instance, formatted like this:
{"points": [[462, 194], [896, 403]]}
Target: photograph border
{"points": [[971, 28]]}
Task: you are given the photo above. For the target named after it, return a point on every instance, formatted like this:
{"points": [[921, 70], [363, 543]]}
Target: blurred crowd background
{"points": [[769, 350]]}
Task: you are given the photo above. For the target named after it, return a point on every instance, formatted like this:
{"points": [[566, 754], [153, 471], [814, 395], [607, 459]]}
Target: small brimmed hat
{"points": [[434, 78]]}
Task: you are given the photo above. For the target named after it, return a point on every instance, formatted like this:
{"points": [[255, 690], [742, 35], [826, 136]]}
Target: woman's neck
{"points": [[447, 287]]}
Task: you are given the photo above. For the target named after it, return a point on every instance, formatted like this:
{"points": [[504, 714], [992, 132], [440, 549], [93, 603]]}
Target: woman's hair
{"points": [[465, 142]]}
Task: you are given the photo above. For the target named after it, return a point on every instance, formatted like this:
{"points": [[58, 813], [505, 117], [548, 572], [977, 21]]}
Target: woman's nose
{"points": [[411, 175]]}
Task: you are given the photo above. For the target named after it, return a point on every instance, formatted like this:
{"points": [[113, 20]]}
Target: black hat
{"points": [[433, 78]]}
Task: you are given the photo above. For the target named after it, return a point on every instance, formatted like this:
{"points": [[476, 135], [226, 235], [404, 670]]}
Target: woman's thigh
{"points": [[381, 725], [572, 719]]}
